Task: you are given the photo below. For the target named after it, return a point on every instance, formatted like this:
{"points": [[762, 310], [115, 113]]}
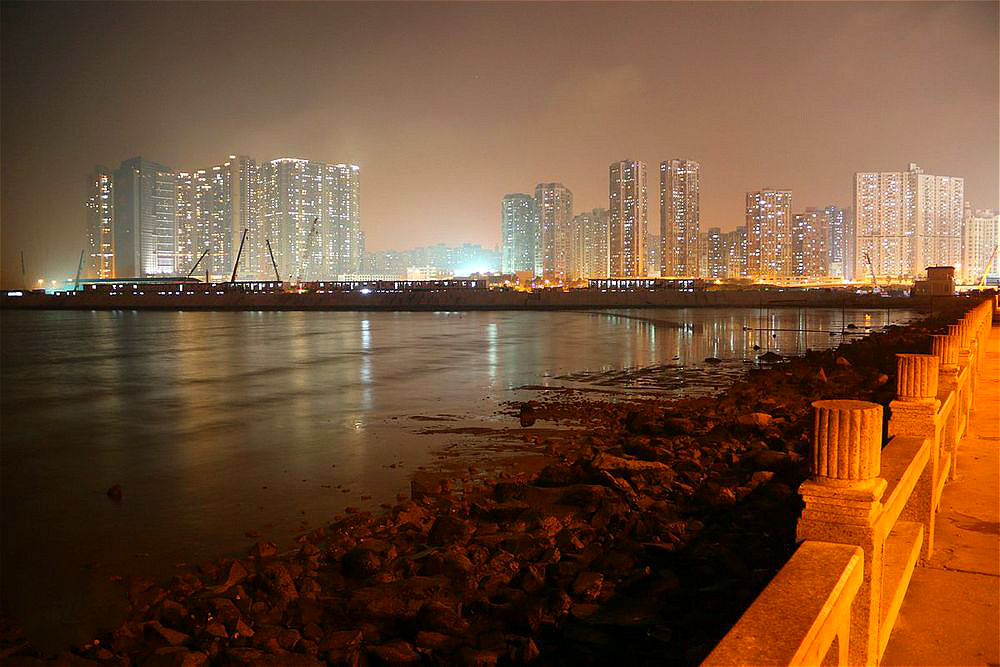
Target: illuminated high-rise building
{"points": [[518, 221], [769, 233], [653, 250], [680, 225], [145, 221], [907, 221], [627, 219], [190, 240], [100, 224], [734, 252], [310, 213], [554, 207], [980, 241], [840, 241], [717, 258], [811, 243], [589, 245], [214, 206]]}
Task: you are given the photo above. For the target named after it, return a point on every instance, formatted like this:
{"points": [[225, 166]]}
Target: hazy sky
{"points": [[446, 107]]}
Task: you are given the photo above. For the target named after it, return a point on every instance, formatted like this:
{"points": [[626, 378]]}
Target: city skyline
{"points": [[454, 107]]}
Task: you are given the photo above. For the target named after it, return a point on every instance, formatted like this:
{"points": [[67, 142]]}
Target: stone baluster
{"points": [[963, 392], [916, 412], [843, 502], [944, 349], [916, 377]]}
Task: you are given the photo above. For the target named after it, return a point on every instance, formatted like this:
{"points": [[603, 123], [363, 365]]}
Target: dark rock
{"points": [[172, 637], [216, 629], [588, 585], [395, 652], [767, 459], [225, 611], [449, 529], [755, 419], [439, 617], [251, 657], [527, 415], [341, 639], [678, 426], [436, 641], [360, 563], [175, 656], [263, 549], [279, 582], [471, 657]]}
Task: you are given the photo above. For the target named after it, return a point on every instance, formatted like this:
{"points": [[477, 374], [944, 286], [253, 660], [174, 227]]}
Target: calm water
{"points": [[219, 423]]}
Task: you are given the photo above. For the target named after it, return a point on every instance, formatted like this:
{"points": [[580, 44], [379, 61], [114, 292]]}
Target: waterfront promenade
{"points": [[898, 556], [950, 615]]}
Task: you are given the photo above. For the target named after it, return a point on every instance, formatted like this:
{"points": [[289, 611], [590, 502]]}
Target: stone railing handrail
{"points": [[812, 594], [881, 501]]}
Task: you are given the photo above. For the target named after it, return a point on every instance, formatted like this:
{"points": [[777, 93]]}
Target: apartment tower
{"points": [[907, 221], [517, 233], [100, 224], [554, 208], [680, 226], [627, 219], [769, 233], [145, 220]]}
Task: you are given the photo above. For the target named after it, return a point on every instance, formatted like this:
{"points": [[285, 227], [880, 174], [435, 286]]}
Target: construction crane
{"points": [[236, 264], [313, 231], [191, 272], [986, 269], [79, 267], [871, 267], [273, 263]]}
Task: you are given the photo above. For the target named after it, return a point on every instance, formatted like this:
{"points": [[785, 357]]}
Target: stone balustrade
{"points": [[876, 503]]}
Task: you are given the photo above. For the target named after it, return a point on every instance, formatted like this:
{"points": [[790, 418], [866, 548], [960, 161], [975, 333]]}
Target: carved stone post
{"points": [[843, 502], [914, 412]]}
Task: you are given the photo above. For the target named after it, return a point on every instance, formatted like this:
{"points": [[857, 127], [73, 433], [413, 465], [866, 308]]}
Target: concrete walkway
{"points": [[950, 615]]}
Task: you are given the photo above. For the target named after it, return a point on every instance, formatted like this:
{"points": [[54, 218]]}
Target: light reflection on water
{"points": [[215, 423]]}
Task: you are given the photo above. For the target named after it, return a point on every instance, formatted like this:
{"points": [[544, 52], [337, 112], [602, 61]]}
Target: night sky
{"points": [[447, 107]]}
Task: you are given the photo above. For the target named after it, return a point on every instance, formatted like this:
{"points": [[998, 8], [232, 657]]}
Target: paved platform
{"points": [[951, 613]]}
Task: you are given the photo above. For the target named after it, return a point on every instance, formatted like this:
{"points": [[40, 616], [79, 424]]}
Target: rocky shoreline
{"points": [[641, 536]]}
